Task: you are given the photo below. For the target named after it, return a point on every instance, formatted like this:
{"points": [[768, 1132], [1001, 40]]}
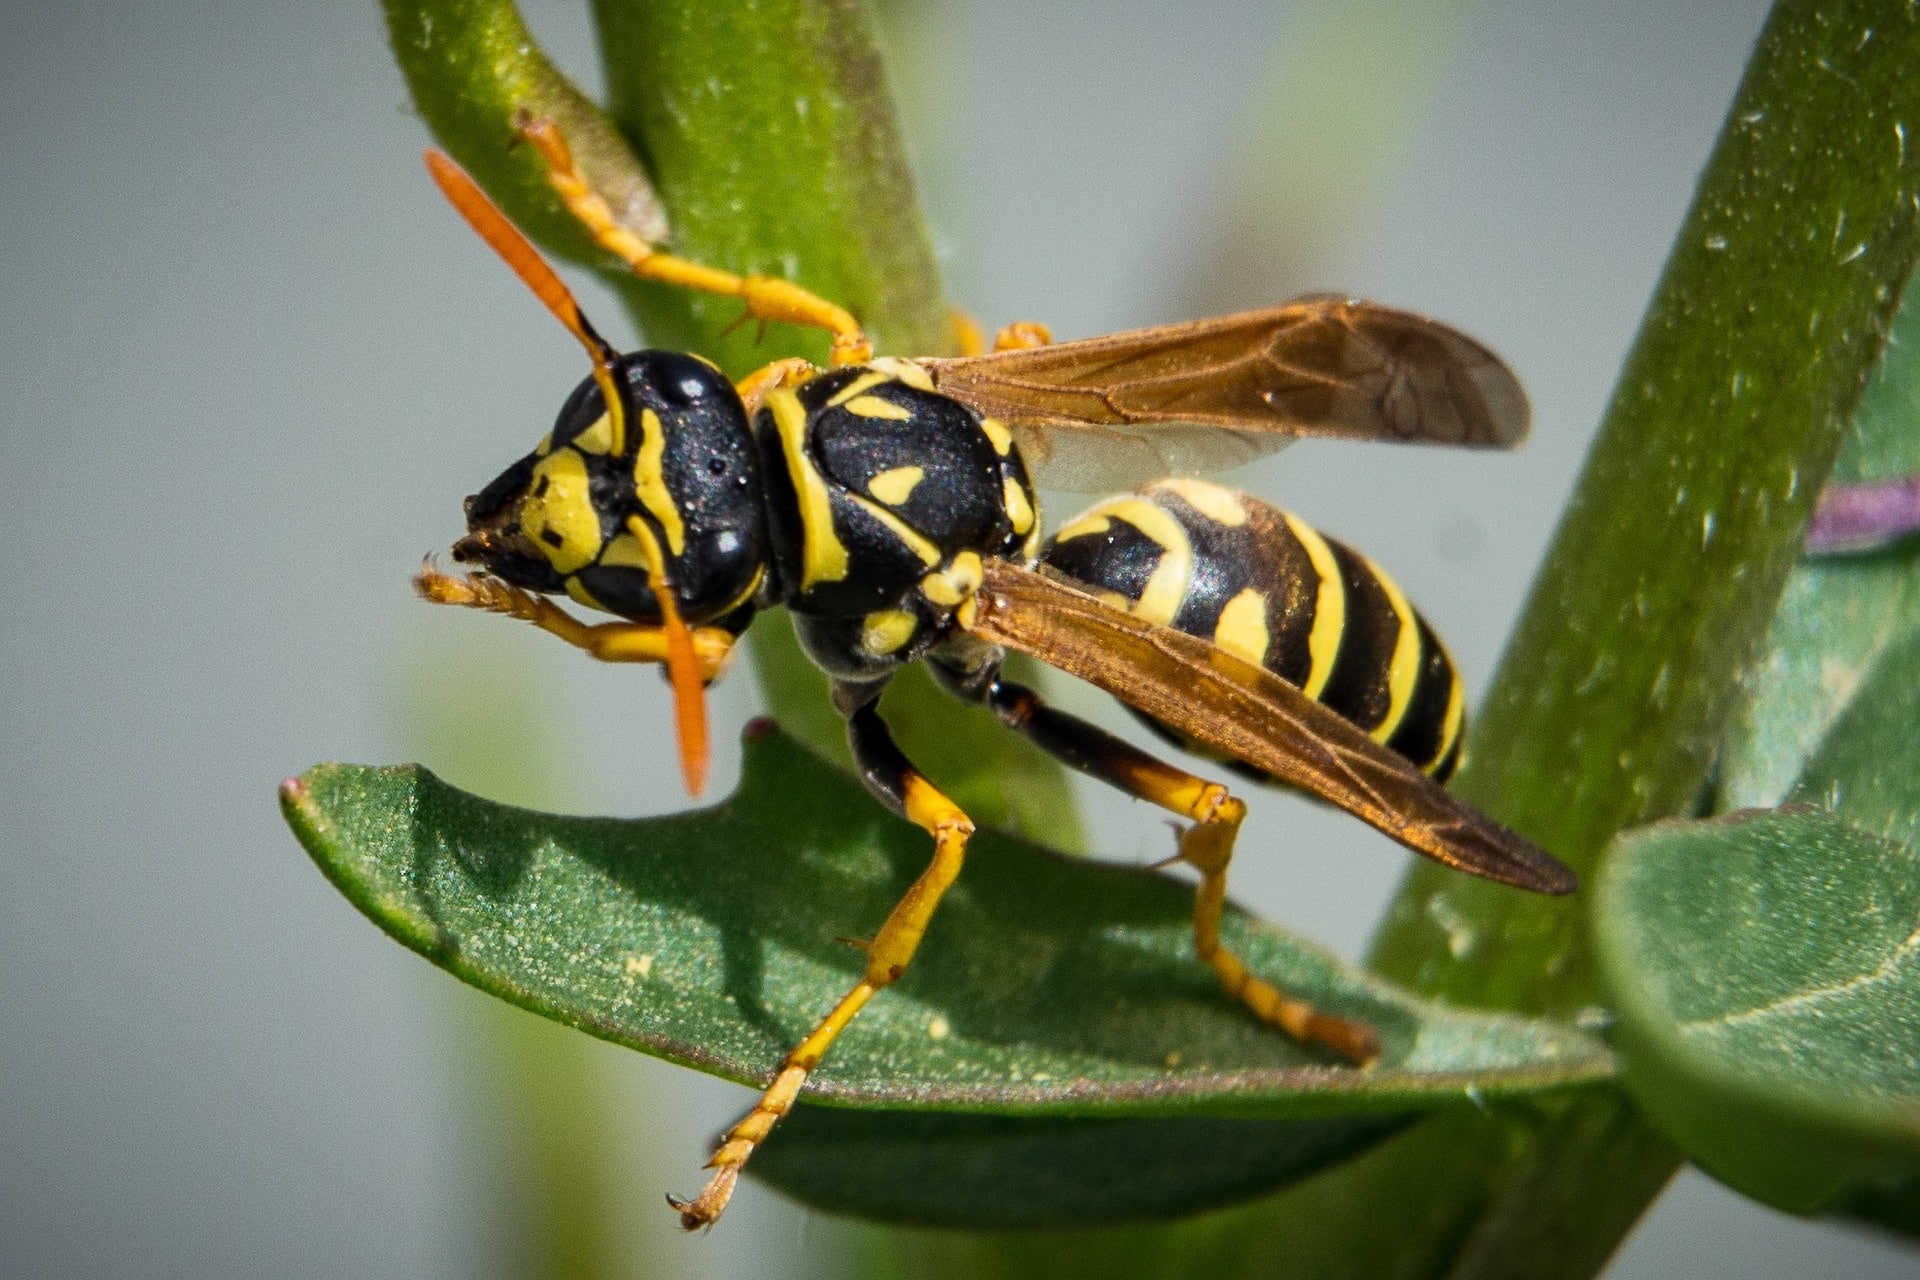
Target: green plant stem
{"points": [[470, 66], [769, 131]]}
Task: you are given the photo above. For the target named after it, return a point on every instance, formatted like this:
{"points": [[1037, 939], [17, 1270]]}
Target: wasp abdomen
{"points": [[1267, 587]]}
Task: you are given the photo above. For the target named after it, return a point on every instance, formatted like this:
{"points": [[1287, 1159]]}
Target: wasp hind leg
{"points": [[765, 297], [1207, 846], [892, 778]]}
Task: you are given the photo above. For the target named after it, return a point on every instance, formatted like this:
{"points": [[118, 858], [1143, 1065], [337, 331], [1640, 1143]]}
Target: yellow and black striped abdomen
{"points": [[1258, 582]]}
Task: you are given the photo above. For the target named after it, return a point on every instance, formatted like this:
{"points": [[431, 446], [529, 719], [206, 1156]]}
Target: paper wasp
{"points": [[889, 505]]}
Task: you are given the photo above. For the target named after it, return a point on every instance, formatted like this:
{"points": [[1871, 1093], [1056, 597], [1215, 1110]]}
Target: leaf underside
{"points": [[1047, 987]]}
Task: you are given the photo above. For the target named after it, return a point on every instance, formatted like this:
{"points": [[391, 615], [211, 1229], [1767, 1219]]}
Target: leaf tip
{"points": [[296, 801]]}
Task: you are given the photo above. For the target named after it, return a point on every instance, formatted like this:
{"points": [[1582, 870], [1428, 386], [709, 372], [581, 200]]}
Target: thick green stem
{"points": [[770, 133], [471, 65]]}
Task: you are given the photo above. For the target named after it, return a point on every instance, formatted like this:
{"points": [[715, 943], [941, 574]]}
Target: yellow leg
{"points": [[1207, 846], [887, 957], [1022, 335], [781, 373], [607, 641], [766, 298], [967, 338]]}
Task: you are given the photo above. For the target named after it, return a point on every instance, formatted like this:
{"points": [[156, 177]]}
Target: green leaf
{"points": [[1827, 720], [1046, 986], [992, 1172], [1769, 1012]]}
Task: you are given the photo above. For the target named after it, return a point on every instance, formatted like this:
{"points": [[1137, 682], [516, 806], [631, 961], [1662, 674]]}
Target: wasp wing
{"points": [[1187, 399], [1254, 716]]}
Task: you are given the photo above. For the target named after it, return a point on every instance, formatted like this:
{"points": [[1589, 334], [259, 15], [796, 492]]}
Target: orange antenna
{"points": [[491, 225], [683, 664]]}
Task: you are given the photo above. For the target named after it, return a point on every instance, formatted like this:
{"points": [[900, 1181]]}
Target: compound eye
{"points": [[558, 515]]}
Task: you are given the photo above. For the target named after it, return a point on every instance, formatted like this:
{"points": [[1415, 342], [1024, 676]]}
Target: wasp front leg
{"points": [[1207, 846], [607, 641], [891, 777]]}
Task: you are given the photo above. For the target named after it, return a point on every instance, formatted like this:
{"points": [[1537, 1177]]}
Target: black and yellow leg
{"points": [[765, 297], [894, 780], [607, 641], [1207, 846]]}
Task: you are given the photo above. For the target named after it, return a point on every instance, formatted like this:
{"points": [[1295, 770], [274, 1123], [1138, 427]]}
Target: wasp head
{"points": [[607, 506]]}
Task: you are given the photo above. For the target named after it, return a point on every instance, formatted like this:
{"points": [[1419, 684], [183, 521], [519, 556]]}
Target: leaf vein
{"points": [[1799, 999]]}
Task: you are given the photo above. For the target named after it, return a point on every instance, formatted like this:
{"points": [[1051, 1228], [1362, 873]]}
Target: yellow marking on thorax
{"points": [[564, 508], [1456, 718], [917, 541], [1216, 502], [823, 557], [914, 375], [1403, 671], [1329, 606], [1167, 585], [875, 407], [1242, 629], [1030, 549], [955, 583], [859, 386], [650, 480], [896, 484], [1019, 509], [886, 630], [596, 439], [1084, 525], [997, 433]]}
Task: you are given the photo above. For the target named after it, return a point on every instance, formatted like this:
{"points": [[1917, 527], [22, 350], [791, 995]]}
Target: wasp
{"points": [[889, 505]]}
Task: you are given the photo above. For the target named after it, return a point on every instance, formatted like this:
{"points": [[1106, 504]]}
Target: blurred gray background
{"points": [[252, 364]]}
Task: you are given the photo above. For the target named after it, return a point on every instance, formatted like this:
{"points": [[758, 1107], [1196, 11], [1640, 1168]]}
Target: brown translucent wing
{"points": [[1252, 715], [1188, 399]]}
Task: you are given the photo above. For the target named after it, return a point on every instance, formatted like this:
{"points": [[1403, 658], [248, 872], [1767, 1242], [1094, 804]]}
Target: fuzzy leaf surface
{"points": [[1047, 986]]}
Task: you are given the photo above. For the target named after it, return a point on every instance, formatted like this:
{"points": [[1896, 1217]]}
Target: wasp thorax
{"points": [[609, 502]]}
